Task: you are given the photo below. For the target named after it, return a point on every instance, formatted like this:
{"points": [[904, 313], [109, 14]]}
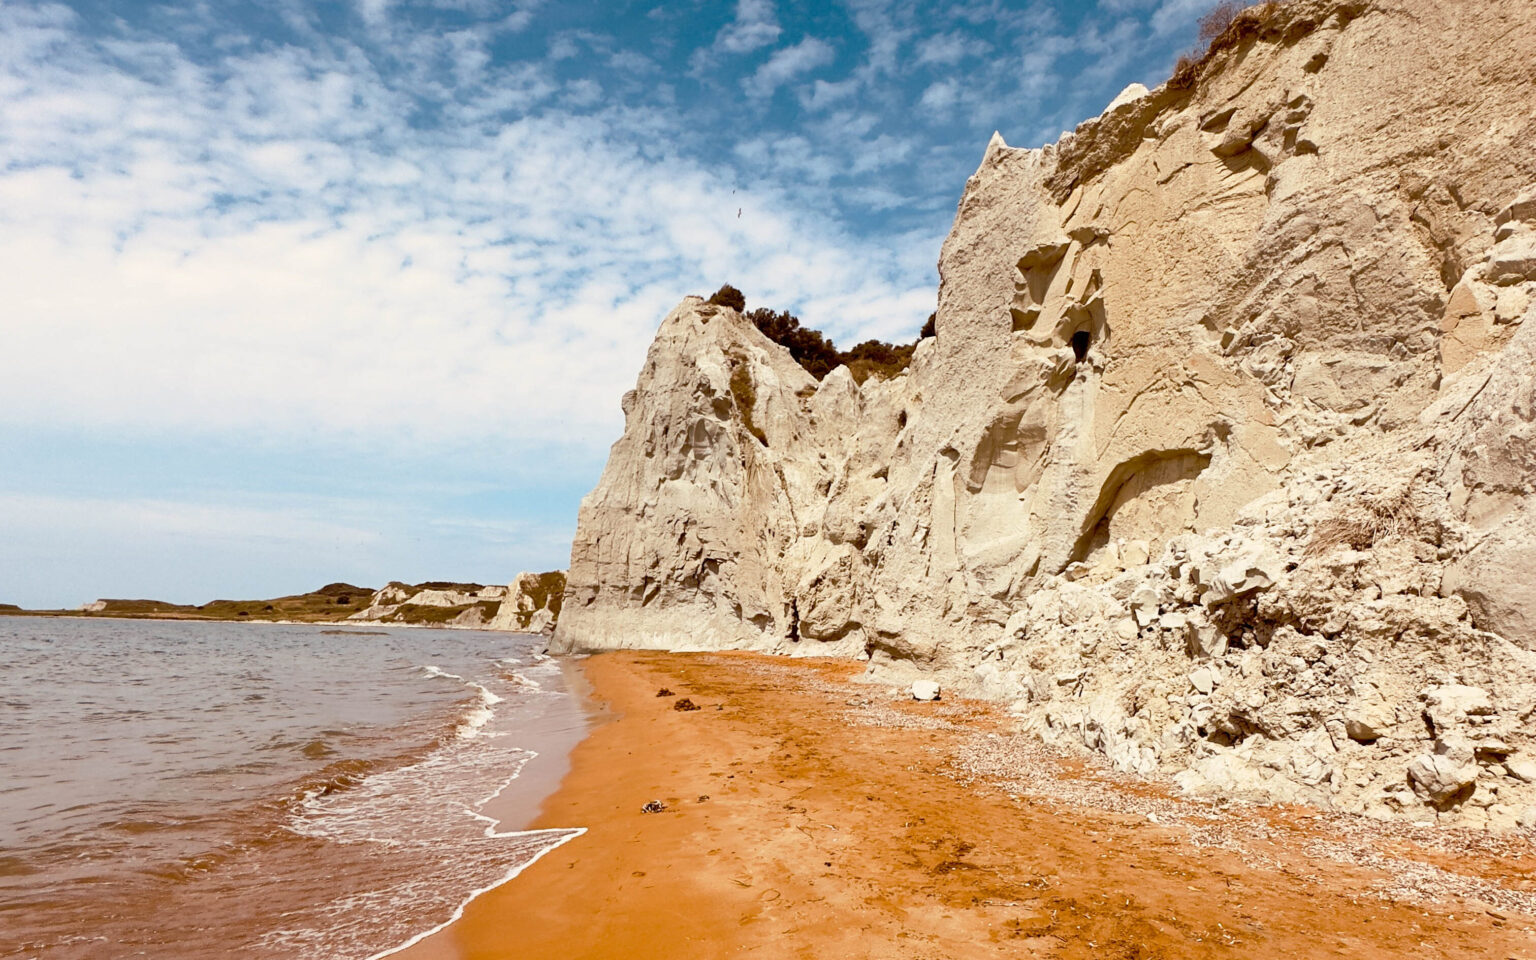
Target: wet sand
{"points": [[811, 816]]}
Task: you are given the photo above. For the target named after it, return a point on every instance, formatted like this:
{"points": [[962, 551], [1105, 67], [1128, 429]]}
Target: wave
{"points": [[557, 837], [481, 714], [430, 813]]}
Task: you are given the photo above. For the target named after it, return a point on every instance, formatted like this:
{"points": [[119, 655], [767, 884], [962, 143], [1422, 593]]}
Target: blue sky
{"points": [[299, 292]]}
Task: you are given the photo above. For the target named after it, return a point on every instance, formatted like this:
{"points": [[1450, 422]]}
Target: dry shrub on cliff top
{"points": [[810, 348], [876, 358], [1226, 25]]}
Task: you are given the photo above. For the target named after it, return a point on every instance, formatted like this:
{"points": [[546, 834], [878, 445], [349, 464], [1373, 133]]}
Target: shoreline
{"points": [[809, 814], [511, 810], [360, 625]]}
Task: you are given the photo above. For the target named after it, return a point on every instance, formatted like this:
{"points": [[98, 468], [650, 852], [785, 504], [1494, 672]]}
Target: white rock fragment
{"points": [[925, 690], [1445, 774], [1523, 770]]}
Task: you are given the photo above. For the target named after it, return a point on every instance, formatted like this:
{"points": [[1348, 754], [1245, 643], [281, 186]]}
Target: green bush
{"points": [[729, 296], [814, 351], [811, 350]]}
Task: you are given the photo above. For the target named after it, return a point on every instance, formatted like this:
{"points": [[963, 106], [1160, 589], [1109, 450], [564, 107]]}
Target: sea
{"points": [[178, 789]]}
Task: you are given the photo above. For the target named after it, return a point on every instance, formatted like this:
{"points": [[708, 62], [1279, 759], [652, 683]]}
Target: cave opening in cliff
{"points": [[1080, 341]]}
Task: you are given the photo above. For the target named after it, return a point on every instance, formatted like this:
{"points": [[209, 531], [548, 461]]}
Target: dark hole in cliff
{"points": [[1080, 341], [901, 419], [794, 620]]}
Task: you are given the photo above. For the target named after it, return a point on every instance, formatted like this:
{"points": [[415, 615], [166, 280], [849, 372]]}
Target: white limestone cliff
{"points": [[1220, 463]]}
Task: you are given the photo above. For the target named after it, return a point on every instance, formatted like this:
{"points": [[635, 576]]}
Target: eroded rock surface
{"points": [[1220, 464]]}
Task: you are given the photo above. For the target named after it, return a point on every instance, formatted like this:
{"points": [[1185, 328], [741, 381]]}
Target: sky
{"points": [[293, 293]]}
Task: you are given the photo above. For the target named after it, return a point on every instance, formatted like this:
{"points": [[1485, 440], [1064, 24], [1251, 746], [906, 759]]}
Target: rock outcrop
{"points": [[438, 603], [532, 604], [1220, 463]]}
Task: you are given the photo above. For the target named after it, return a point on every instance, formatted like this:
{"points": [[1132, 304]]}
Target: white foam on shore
{"points": [[430, 816], [564, 836]]}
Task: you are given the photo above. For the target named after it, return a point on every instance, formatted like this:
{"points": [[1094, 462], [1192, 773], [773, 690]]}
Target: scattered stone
{"points": [[1205, 639], [1523, 770], [664, 692], [1446, 776], [683, 703], [653, 806], [1367, 722], [1135, 553], [1523, 207], [1513, 260], [1451, 704]]}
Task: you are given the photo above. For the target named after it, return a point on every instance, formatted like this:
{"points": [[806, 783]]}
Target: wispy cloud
{"points": [[373, 12], [275, 248], [788, 64], [756, 26]]}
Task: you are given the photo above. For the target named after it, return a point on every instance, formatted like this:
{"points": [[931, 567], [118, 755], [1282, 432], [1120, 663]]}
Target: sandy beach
{"points": [[808, 815]]}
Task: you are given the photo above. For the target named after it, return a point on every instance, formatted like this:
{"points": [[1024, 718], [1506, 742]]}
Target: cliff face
{"points": [[1220, 462]]}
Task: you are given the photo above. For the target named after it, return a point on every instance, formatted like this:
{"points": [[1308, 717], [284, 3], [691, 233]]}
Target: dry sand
{"points": [[811, 816]]}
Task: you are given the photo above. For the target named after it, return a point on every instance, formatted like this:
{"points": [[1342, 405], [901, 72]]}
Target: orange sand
{"points": [[791, 832]]}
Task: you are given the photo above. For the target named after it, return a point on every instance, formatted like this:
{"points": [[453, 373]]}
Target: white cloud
{"points": [[274, 248], [787, 64], [823, 95], [373, 12], [756, 26], [940, 96], [67, 550], [948, 49]]}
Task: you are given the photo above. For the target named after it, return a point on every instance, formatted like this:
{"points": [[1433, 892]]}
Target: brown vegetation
{"points": [[1227, 25], [421, 613], [745, 394], [1366, 521]]}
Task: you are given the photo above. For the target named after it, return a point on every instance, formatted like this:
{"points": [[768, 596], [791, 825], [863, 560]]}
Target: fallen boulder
{"points": [[925, 690]]}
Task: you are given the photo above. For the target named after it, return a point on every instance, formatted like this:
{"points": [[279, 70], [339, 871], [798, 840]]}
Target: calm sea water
{"points": [[197, 790]]}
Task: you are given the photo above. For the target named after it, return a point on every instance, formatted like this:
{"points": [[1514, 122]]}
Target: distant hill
{"points": [[530, 604], [332, 602]]}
